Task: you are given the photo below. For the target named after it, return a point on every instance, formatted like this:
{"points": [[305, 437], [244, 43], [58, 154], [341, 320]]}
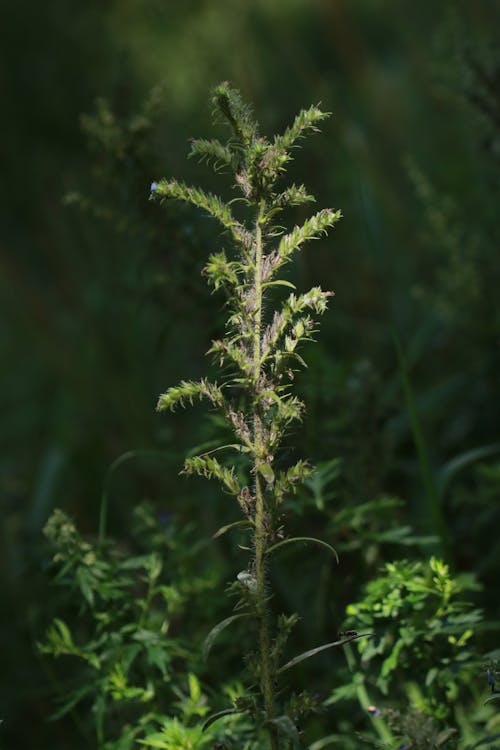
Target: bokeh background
{"points": [[103, 305]]}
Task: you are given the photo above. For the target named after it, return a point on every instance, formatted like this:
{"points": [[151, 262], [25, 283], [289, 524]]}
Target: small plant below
{"points": [[128, 658], [423, 631]]}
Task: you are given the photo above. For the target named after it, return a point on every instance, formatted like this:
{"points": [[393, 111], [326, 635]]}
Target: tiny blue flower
{"points": [[154, 187]]}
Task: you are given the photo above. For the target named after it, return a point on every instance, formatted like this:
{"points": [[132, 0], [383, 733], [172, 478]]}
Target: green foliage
{"points": [[126, 668], [423, 631]]}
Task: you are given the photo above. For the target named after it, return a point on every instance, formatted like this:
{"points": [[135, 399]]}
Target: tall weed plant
{"points": [[257, 356]]}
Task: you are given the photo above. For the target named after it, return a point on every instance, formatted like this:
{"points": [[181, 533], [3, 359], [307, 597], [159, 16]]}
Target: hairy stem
{"points": [[266, 676]]}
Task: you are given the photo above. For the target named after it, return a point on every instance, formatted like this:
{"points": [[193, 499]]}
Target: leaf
{"points": [[225, 529], [157, 739], [494, 697], [305, 539], [314, 651], [279, 282], [267, 472], [68, 706], [324, 741], [62, 630], [286, 726], [131, 563], [219, 715], [214, 633]]}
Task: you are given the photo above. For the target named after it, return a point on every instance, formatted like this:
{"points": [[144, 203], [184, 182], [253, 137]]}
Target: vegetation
{"points": [[351, 511]]}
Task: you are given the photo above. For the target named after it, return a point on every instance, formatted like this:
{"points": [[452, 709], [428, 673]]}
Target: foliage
{"points": [[423, 631], [125, 642]]}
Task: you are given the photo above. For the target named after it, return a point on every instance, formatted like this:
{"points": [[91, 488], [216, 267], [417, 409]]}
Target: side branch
{"points": [[210, 468], [311, 229], [210, 203], [187, 391]]}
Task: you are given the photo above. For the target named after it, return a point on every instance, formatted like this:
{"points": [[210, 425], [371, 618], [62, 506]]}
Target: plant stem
{"points": [[266, 677], [378, 722]]}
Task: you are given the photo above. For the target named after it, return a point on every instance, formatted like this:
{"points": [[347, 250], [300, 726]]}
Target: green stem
{"points": [[266, 676], [378, 722]]}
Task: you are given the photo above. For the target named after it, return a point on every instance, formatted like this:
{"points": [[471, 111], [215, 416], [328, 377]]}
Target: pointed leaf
{"points": [[214, 633], [68, 706], [225, 529], [314, 651], [325, 741], [158, 740], [305, 539], [219, 715], [495, 697], [279, 282]]}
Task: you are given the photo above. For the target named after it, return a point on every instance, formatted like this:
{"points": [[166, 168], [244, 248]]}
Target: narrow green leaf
{"points": [[312, 652], [68, 706], [64, 633], [158, 739], [219, 715], [279, 282], [215, 632], [325, 741], [305, 539], [495, 697], [225, 529]]}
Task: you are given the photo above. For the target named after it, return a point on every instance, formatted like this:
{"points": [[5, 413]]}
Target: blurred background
{"points": [[103, 305]]}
